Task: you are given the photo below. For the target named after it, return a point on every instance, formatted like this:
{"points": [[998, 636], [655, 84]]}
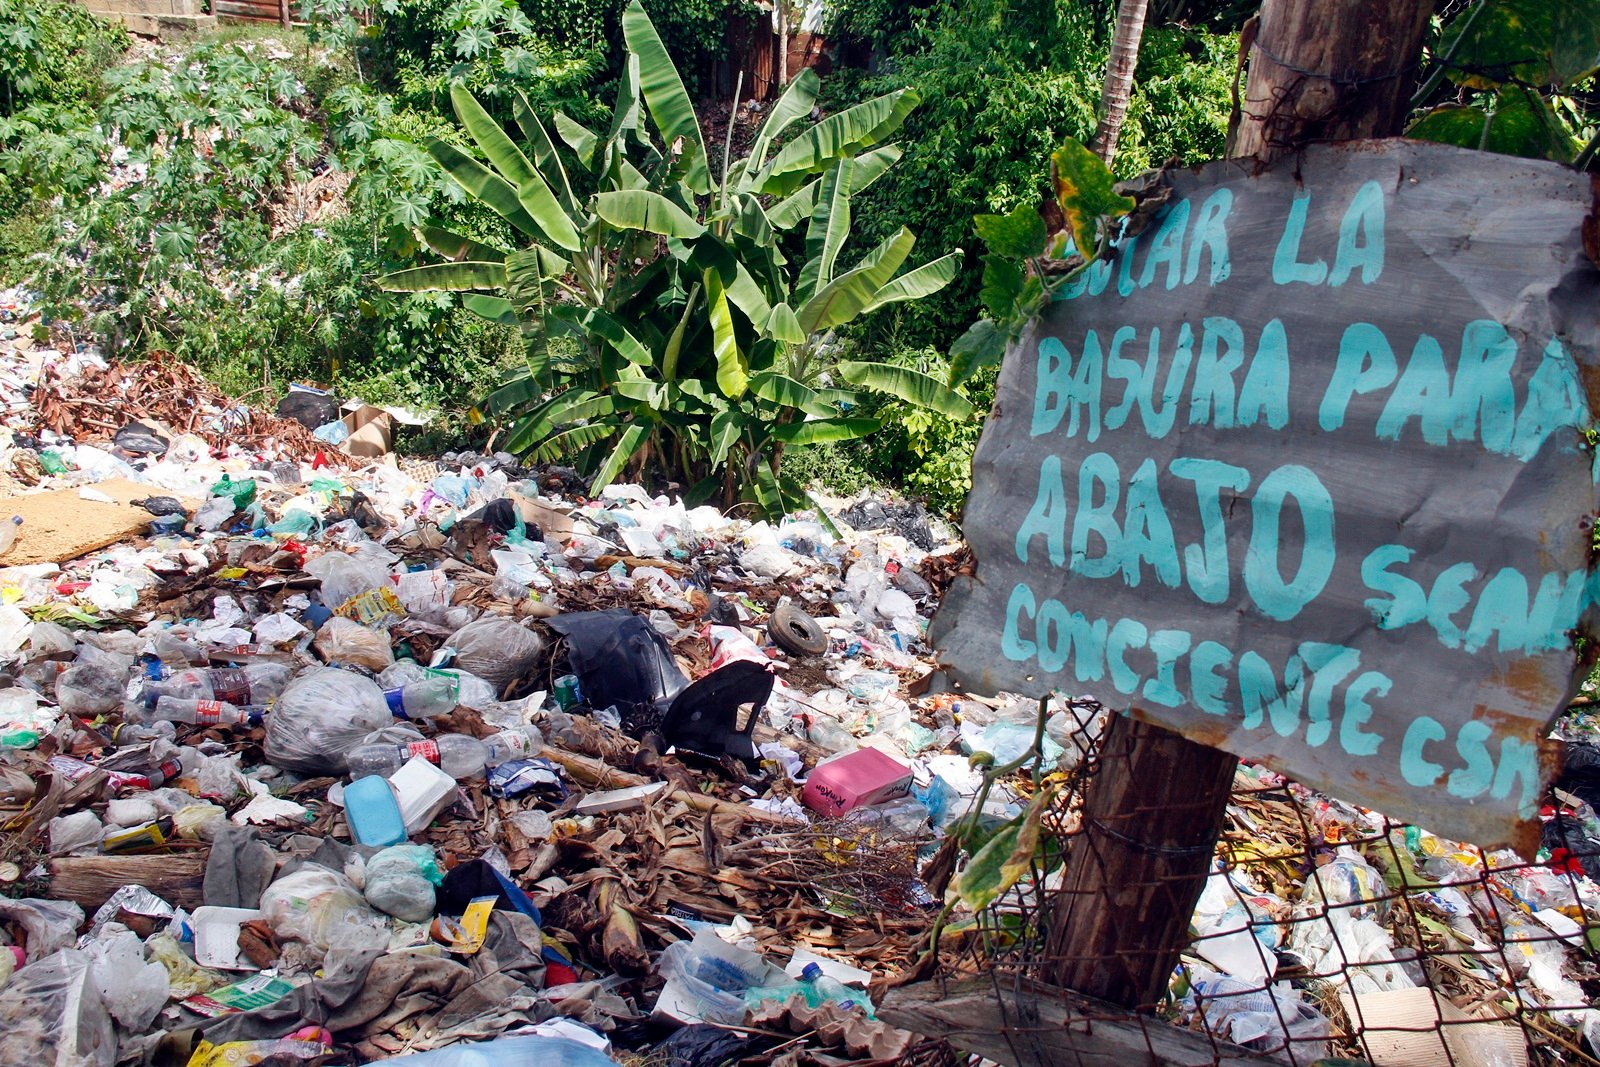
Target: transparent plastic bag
{"points": [[320, 717], [342, 640], [344, 576], [90, 689], [51, 1015], [496, 649], [49, 924], [134, 991], [400, 881], [321, 908]]}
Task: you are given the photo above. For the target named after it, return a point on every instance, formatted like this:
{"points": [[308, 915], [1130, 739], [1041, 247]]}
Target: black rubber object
{"points": [[794, 631]]}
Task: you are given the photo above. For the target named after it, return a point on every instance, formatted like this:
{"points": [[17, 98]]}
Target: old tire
{"points": [[796, 632]]}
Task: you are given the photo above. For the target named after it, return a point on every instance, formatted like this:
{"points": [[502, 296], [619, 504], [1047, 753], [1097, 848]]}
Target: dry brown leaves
{"points": [[97, 403]]}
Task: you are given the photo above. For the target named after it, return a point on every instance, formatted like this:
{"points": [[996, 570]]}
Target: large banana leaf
{"points": [[835, 137], [454, 246], [869, 167], [786, 392], [597, 322], [515, 392], [732, 373], [797, 101], [564, 409], [747, 296], [533, 193], [484, 184], [830, 225], [545, 156], [569, 442], [451, 277], [495, 309], [582, 140], [914, 387], [725, 426], [916, 284], [499, 149], [627, 444], [879, 265], [665, 96], [820, 431], [849, 294], [783, 326], [639, 209]]}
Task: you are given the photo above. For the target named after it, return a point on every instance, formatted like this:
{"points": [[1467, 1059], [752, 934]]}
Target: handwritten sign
{"points": [[1303, 471]]}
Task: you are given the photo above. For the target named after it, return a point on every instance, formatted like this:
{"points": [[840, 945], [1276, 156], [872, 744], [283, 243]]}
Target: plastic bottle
{"points": [[832, 991], [519, 742], [427, 698], [207, 712], [259, 683], [457, 755], [8, 533]]}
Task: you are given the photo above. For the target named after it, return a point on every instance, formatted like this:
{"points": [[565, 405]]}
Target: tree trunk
{"points": [[1153, 813], [1329, 72], [780, 8], [1118, 88]]}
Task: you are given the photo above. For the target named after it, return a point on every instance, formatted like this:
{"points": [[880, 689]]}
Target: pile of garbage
{"points": [[306, 755], [418, 757]]}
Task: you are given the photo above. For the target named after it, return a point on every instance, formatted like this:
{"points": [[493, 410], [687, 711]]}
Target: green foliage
{"points": [[52, 52], [1004, 82], [1519, 56], [194, 244], [700, 347], [51, 56]]}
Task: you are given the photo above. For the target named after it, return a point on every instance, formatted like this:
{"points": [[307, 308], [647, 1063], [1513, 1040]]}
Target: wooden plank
{"points": [[176, 878], [60, 525], [1044, 1027]]}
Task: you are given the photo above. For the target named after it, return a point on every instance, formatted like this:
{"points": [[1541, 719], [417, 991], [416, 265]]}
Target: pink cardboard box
{"points": [[865, 776]]}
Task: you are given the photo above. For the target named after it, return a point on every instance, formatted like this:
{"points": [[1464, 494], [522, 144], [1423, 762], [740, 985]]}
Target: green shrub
{"points": [[52, 52], [1004, 83]]}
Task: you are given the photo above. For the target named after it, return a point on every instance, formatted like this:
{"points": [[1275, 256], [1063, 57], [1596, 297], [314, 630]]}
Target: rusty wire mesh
{"points": [[1324, 930]]}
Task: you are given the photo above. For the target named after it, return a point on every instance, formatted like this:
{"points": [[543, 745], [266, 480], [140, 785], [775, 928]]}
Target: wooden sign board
{"points": [[1303, 471]]}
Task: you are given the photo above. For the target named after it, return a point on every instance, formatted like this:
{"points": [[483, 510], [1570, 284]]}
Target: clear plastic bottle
{"points": [[833, 991], [457, 755], [259, 683], [519, 742], [8, 533], [200, 712], [427, 698]]}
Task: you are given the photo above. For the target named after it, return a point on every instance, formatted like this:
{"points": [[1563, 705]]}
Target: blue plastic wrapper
{"points": [[521, 776]]}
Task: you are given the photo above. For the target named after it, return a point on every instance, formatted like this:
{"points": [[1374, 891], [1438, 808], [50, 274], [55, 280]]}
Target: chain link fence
{"points": [[1324, 931]]}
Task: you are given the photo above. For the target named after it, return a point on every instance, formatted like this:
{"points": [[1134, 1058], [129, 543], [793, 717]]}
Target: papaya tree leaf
{"points": [[1019, 235], [1084, 189]]}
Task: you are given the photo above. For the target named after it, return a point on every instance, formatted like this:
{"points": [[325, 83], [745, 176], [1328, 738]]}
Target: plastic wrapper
{"points": [[322, 908], [320, 717], [515, 1048], [131, 811], [342, 640], [1263, 1019], [185, 977], [51, 1015], [497, 650], [134, 991], [400, 881]]}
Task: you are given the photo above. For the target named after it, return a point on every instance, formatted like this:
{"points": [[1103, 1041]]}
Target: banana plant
{"points": [[666, 325]]}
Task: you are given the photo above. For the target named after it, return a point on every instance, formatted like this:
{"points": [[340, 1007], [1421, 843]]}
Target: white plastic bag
{"points": [[496, 649], [322, 908]]}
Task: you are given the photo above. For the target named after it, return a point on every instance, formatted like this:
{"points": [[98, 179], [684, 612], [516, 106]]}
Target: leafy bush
{"points": [[1004, 83], [51, 55], [699, 348]]}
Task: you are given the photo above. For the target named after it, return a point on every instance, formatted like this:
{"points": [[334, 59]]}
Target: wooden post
{"points": [[1319, 70], [1328, 70]]}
